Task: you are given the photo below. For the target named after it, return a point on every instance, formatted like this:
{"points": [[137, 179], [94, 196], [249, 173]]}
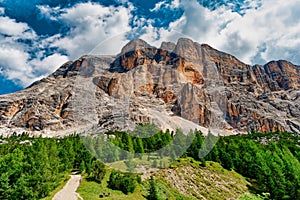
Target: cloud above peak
{"points": [[26, 57], [254, 31], [88, 25], [260, 34]]}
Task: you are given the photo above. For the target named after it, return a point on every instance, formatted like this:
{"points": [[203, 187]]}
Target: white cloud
{"points": [[2, 11], [261, 34], [174, 4], [93, 29], [91, 24], [47, 12], [14, 64], [15, 55], [11, 27], [14, 58], [274, 25], [157, 6], [211, 27], [49, 64]]}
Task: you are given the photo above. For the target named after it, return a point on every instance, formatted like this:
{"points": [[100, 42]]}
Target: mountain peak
{"points": [[167, 86], [168, 46], [184, 44], [134, 45], [184, 41]]}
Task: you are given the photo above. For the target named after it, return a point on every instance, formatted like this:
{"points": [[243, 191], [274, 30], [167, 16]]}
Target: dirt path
{"points": [[69, 190]]}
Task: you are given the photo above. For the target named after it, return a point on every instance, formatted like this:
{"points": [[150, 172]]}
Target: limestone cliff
{"points": [[184, 85]]}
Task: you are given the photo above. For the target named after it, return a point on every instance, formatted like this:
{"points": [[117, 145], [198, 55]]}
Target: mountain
{"points": [[185, 85]]}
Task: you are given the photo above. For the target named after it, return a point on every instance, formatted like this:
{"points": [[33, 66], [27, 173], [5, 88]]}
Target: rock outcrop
{"points": [[184, 85]]}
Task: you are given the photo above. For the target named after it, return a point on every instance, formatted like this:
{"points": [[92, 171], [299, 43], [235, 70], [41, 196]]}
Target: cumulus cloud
{"points": [[47, 12], [11, 27], [17, 65], [273, 26], [173, 4], [90, 25], [206, 26], [14, 54], [92, 29], [48, 64], [14, 64], [264, 31], [18, 45]]}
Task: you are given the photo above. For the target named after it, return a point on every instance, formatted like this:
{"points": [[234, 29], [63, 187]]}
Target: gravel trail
{"points": [[69, 190]]}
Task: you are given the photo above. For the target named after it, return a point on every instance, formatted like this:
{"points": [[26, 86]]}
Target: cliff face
{"points": [[184, 85], [263, 98]]}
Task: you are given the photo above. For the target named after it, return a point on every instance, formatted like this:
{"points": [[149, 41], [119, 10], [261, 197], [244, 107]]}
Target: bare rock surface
{"points": [[184, 85]]}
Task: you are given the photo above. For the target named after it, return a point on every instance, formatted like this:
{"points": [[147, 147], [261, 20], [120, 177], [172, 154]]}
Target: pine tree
{"points": [[152, 192]]}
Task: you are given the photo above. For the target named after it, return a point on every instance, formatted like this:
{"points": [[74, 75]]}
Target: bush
{"points": [[126, 182], [98, 171]]}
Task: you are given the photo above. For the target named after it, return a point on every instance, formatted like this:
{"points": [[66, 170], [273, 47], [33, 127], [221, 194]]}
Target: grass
{"points": [[91, 190], [166, 191], [210, 182], [185, 179]]}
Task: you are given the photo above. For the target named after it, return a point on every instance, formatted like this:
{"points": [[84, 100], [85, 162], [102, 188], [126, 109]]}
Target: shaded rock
{"points": [[185, 84]]}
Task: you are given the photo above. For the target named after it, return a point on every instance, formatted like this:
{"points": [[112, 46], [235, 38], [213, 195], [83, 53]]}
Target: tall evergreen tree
{"points": [[152, 192]]}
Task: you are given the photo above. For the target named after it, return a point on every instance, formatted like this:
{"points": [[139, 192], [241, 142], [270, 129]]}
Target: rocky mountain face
{"points": [[184, 85]]}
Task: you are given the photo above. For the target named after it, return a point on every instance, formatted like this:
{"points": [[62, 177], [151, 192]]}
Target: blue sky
{"points": [[37, 36]]}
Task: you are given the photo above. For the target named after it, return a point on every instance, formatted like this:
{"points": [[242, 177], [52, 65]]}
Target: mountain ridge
{"points": [[170, 84]]}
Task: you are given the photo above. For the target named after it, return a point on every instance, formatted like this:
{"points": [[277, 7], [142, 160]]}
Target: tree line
{"points": [[272, 167], [30, 168]]}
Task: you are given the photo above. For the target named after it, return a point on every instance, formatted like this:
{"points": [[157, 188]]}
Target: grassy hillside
{"points": [[185, 179], [91, 190], [33, 168], [209, 182]]}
